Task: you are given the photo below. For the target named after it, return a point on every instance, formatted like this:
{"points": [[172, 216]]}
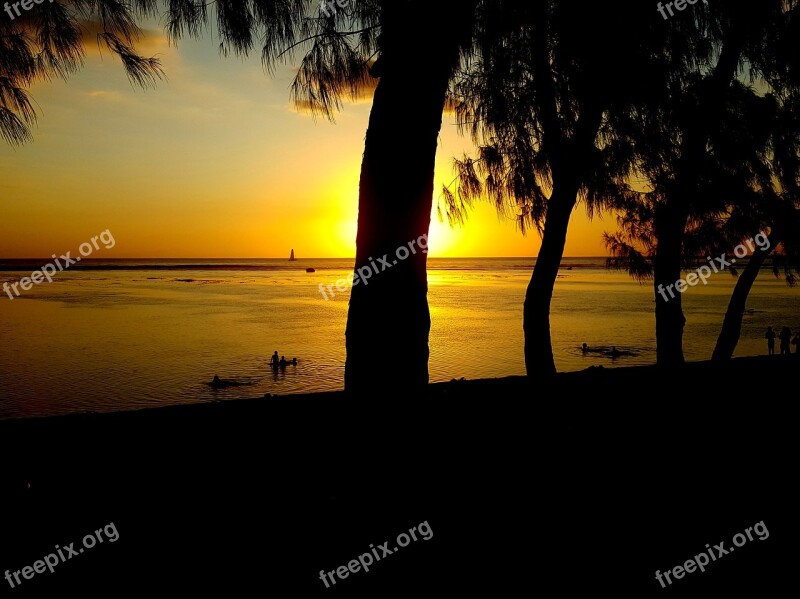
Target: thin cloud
{"points": [[101, 94], [364, 95]]}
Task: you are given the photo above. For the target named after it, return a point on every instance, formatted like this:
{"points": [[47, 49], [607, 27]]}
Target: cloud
{"points": [[91, 29], [105, 95], [364, 95]]}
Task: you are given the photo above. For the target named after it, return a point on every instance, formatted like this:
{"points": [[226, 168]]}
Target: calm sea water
{"points": [[131, 334]]}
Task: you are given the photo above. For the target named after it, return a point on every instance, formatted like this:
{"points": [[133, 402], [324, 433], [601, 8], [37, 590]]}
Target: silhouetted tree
{"points": [[541, 107], [779, 212], [702, 148], [741, 36], [388, 321]]}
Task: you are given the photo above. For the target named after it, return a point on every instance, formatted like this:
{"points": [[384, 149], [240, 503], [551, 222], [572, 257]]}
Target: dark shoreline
{"points": [[513, 386], [590, 482]]}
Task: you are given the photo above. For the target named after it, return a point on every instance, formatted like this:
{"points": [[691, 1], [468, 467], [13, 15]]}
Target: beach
{"points": [[592, 481]]}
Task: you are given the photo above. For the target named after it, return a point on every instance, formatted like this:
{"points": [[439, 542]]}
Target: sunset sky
{"points": [[213, 162]]}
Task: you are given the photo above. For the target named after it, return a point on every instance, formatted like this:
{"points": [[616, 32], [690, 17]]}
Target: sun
{"points": [[443, 240]]}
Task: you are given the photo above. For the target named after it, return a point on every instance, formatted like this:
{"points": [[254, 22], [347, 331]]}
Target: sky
{"points": [[214, 162]]}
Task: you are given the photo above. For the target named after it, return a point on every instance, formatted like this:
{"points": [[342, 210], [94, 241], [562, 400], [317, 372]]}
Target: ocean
{"points": [[129, 334]]}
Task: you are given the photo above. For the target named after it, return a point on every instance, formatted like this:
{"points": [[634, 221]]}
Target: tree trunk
{"points": [[671, 217], [388, 320], [539, 361], [569, 164], [732, 325], [669, 224]]}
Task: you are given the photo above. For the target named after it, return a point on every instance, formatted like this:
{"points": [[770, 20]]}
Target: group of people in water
{"points": [[277, 363], [281, 362], [786, 340]]}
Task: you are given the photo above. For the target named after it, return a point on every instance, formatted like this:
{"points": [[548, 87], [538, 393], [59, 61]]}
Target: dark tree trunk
{"points": [[388, 320], [539, 360], [669, 224], [569, 160], [732, 325], [671, 217]]}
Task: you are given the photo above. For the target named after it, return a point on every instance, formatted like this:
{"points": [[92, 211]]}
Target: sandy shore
{"points": [[590, 482]]}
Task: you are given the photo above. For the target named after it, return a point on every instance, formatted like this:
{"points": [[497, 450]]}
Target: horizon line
{"points": [[89, 259]]}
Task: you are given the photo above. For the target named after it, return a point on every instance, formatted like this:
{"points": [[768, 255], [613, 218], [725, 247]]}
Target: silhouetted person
{"points": [[770, 337], [786, 338], [274, 361], [584, 348], [283, 362]]}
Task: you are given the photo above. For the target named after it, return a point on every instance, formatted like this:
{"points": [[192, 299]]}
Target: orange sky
{"points": [[213, 162]]}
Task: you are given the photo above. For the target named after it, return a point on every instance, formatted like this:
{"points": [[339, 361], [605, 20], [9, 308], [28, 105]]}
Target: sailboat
{"points": [[291, 257]]}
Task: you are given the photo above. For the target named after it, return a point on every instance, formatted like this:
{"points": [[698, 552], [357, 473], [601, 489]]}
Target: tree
{"points": [[388, 321], [741, 36], [702, 150], [541, 106], [778, 211], [750, 187]]}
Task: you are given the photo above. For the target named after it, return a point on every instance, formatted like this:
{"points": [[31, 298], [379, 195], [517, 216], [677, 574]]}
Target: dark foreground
{"points": [[584, 486]]}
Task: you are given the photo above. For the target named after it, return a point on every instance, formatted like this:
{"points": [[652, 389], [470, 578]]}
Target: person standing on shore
{"points": [[785, 337], [770, 336]]}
